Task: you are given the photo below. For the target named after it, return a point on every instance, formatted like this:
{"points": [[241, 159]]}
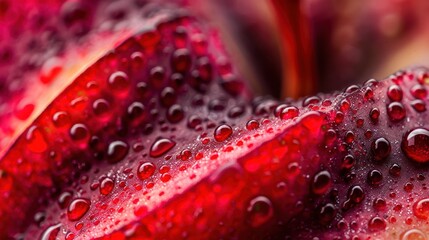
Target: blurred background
{"points": [[307, 46]]}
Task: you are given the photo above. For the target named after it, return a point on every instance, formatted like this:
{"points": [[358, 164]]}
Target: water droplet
{"points": [[231, 84], [101, 107], [418, 91], [35, 140], [379, 204], [321, 183], [161, 146], [146, 170], [156, 76], [381, 149], [61, 119], [185, 154], [311, 100], [168, 97], [78, 208], [415, 145], [413, 234], [175, 113], [236, 112], [135, 110], [51, 232], [395, 170], [181, 60], [374, 114], [375, 178], [194, 121], [64, 199], [117, 151], [79, 132], [394, 93], [356, 194], [419, 105], [326, 213], [376, 224], [252, 125], [260, 211], [119, 82], [421, 209], [289, 113], [222, 132], [106, 186], [396, 111], [348, 162]]}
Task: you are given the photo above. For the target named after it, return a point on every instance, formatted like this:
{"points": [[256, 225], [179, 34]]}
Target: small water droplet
{"points": [[175, 113], [418, 91], [381, 149], [78, 208], [260, 211], [374, 114], [168, 97], [194, 121], [117, 151], [119, 83], [356, 194], [379, 204], [396, 111], [181, 60], [394, 93], [146, 170], [415, 145], [101, 107], [222, 132], [375, 177], [326, 213], [289, 113], [252, 125], [61, 119], [106, 186], [79, 132], [161, 146], [376, 224], [321, 183]]}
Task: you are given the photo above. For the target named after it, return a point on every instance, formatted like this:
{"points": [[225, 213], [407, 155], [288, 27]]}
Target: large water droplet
{"points": [[77, 209], [421, 209], [413, 234], [415, 145], [161, 146], [260, 211], [222, 132]]}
